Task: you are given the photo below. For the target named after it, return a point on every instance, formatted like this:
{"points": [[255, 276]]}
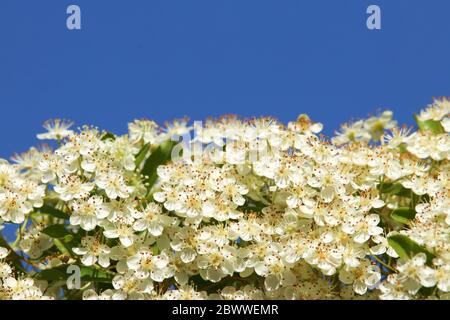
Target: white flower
{"points": [[14, 206], [152, 219], [5, 270], [443, 277], [72, 187], [230, 191], [330, 183], [93, 251], [146, 264], [436, 111], [217, 264], [90, 294], [277, 210], [446, 124], [114, 185], [362, 228], [87, 212], [22, 289], [3, 253], [120, 229], [382, 246], [185, 292], [414, 273], [128, 286], [57, 130], [364, 276], [34, 242], [146, 130]]}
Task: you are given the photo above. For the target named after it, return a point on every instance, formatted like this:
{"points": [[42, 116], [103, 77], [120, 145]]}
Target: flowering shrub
{"points": [[246, 209]]}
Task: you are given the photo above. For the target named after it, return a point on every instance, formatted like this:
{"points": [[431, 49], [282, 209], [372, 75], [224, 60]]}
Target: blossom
{"points": [[73, 187], [268, 211], [114, 185], [146, 264], [152, 219], [364, 276], [128, 286], [35, 242], [146, 130], [414, 273], [87, 213], [57, 129], [93, 251], [3, 253], [362, 228]]}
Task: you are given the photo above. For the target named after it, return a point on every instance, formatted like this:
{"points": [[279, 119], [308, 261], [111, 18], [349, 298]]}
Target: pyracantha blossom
{"points": [[244, 209]]}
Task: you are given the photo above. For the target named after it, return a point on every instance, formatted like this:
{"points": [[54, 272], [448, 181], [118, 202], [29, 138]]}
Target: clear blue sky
{"points": [[173, 58]]}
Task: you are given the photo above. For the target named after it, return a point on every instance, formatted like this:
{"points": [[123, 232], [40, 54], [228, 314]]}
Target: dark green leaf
{"points": [[108, 135], [56, 231], [403, 215], [55, 274], [46, 209], [92, 274], [252, 205], [407, 248], [395, 189]]}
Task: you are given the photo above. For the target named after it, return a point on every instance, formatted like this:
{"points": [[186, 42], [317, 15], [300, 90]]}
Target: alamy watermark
{"points": [[374, 20], [73, 21], [74, 280]]}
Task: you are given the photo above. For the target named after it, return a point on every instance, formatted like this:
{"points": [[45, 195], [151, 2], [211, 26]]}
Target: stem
{"points": [[21, 231], [13, 256], [384, 264]]}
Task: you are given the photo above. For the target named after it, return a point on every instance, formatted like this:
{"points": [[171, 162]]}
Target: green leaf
{"points": [[46, 209], [429, 125], [93, 274], [252, 205], [86, 273], [403, 215], [55, 274], [395, 189], [108, 135], [158, 157], [142, 154], [56, 231], [407, 248]]}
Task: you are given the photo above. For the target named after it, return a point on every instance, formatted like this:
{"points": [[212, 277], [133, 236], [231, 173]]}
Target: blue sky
{"points": [[162, 59]]}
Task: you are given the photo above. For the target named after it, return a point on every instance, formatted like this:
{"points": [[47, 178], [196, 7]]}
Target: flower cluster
{"points": [[247, 209]]}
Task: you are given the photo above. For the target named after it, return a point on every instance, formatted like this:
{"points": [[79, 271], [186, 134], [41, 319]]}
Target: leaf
{"points": [[395, 189], [403, 215], [93, 274], [107, 135], [86, 273], [46, 209], [407, 248], [54, 274], [141, 155], [158, 157], [429, 125], [56, 231], [252, 205]]}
